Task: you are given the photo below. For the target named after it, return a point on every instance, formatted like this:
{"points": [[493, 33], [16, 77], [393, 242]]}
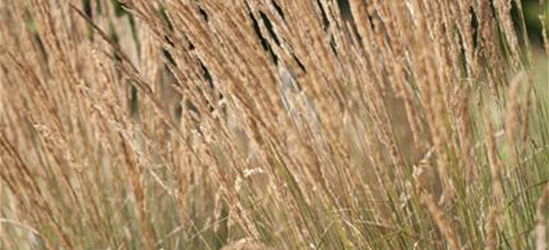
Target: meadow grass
{"points": [[273, 124]]}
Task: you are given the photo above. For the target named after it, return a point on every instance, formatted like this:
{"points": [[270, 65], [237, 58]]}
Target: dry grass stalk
{"points": [[541, 220], [514, 111], [491, 228], [443, 224], [496, 167], [503, 9], [543, 20]]}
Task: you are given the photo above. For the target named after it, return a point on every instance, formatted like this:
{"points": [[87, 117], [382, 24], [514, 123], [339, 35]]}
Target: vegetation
{"points": [[273, 124]]}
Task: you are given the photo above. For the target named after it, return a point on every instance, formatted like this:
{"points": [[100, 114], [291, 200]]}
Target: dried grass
{"points": [[274, 124]]}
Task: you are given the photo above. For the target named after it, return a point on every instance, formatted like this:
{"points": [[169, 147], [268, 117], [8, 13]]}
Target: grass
{"points": [[273, 125]]}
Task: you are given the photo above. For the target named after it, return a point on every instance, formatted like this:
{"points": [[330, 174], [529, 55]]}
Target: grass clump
{"points": [[410, 124]]}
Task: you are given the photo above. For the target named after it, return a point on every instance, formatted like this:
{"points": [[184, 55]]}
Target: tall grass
{"points": [[272, 124]]}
